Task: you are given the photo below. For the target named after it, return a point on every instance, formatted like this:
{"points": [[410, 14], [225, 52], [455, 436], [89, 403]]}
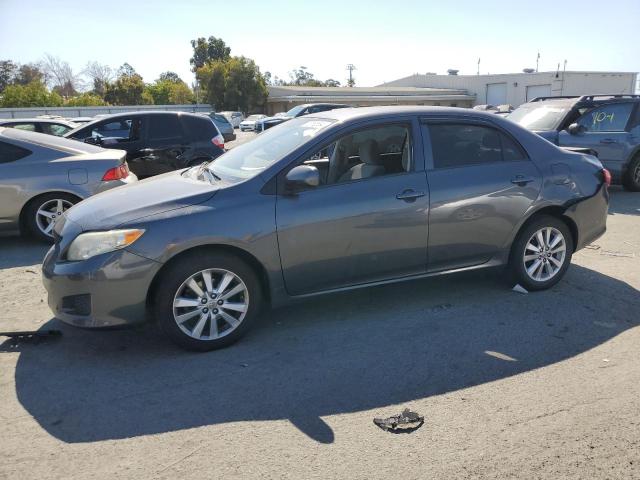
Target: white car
{"points": [[250, 122], [234, 118]]}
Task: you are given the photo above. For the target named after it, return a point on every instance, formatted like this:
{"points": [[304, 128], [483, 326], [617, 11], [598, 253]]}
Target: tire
{"points": [[40, 225], [553, 262], [631, 180], [191, 323]]}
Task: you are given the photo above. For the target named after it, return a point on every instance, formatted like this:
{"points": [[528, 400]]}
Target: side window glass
{"points": [[55, 129], [607, 118], [456, 145], [29, 127], [365, 154], [120, 129], [163, 127], [11, 153], [511, 151]]}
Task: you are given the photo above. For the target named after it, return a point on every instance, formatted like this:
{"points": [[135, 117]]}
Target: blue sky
{"points": [[385, 40]]}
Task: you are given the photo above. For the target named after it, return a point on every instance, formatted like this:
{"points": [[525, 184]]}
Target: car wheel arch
{"points": [[244, 255], [33, 199], [555, 211]]}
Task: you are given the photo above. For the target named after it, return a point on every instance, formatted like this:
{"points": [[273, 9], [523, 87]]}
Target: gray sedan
{"points": [[42, 176], [57, 127], [332, 201]]}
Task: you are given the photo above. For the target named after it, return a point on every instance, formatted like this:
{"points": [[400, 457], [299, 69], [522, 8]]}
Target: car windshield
{"points": [[294, 111], [539, 117], [254, 117], [248, 160]]}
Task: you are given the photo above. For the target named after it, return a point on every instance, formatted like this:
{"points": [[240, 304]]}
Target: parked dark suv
{"points": [[156, 142], [297, 111], [609, 125]]}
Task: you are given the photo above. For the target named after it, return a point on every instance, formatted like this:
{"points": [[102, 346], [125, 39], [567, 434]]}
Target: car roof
{"points": [[61, 121], [116, 116], [365, 113], [48, 141], [569, 101]]}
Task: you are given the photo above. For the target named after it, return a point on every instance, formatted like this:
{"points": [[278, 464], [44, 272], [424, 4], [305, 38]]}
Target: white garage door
{"points": [[534, 91], [496, 94]]}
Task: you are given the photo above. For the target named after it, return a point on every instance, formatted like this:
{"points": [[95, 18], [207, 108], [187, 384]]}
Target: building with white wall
{"points": [[517, 88], [282, 99]]}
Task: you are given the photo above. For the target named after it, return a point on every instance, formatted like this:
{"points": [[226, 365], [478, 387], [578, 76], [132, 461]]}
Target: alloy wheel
{"points": [[210, 304], [48, 214], [545, 254]]}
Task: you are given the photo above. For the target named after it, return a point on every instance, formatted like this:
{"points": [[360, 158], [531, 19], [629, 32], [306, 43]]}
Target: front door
{"points": [[605, 130], [481, 184], [366, 221]]}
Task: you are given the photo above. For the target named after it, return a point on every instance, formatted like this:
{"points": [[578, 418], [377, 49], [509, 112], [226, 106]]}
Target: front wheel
{"points": [[207, 301], [631, 180], [541, 254]]}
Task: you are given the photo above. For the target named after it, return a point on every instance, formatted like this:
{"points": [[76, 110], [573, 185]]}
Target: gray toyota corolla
{"points": [[343, 199]]}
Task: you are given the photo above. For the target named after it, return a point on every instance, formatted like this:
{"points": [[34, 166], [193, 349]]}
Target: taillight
{"points": [[116, 173], [218, 141], [606, 176]]}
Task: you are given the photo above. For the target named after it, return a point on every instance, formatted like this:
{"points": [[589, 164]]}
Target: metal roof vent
{"points": [[451, 71], [528, 70]]}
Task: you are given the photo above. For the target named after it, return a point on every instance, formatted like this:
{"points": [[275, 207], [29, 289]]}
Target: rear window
{"points": [[199, 128], [11, 153], [164, 126], [220, 118]]}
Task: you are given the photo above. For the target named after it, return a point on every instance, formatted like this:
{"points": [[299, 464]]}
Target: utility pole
{"points": [[351, 67], [537, 61], [478, 73]]}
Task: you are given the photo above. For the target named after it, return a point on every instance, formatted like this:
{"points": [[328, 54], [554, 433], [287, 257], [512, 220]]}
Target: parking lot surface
{"points": [[538, 385]]}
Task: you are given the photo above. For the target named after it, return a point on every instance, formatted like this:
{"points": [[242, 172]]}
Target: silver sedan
{"points": [[41, 176]]}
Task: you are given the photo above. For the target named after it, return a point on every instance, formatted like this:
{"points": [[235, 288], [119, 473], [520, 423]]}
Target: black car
{"points": [[297, 111], [156, 142], [607, 126]]}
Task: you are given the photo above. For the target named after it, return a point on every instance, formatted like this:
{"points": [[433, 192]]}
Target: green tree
{"points": [[208, 50], [128, 89], [169, 77], [29, 72], [85, 100], [34, 94], [235, 84], [8, 72]]}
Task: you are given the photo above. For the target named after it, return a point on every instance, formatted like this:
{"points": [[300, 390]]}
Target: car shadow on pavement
{"points": [[356, 351], [622, 202], [16, 251]]}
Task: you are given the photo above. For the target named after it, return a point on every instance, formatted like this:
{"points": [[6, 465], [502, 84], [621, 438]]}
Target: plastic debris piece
{"points": [[34, 336], [519, 289], [593, 246], [616, 254], [406, 422]]}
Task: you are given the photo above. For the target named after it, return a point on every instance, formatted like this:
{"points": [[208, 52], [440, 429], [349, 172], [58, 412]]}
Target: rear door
{"points": [[12, 183], [606, 129], [481, 183], [165, 144]]}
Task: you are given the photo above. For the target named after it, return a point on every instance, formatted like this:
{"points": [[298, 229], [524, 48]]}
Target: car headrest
{"points": [[369, 152]]}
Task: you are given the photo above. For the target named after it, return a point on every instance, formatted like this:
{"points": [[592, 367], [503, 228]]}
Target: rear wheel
{"points": [[207, 301], [631, 180], [541, 254], [42, 213]]}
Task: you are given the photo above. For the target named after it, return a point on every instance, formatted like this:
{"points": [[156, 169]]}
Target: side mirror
{"points": [[93, 140], [302, 177], [109, 141], [576, 129]]}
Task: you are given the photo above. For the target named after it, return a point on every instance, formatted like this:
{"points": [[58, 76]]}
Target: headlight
{"points": [[87, 245]]}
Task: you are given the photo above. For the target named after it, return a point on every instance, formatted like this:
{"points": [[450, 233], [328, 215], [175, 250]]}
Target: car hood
{"points": [[132, 202]]}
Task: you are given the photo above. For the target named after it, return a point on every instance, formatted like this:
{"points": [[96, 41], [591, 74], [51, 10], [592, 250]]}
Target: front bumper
{"points": [[104, 291]]}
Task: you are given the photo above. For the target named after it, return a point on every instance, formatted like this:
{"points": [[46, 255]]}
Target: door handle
{"points": [[521, 180], [608, 141], [409, 195]]}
